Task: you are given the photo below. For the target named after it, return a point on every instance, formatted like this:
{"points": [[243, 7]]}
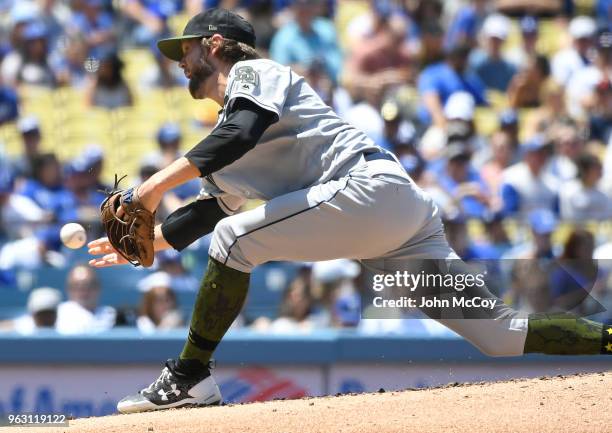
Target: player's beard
{"points": [[202, 72]]}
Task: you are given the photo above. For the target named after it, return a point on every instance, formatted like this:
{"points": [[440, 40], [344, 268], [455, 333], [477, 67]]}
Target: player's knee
{"points": [[226, 248], [224, 235]]}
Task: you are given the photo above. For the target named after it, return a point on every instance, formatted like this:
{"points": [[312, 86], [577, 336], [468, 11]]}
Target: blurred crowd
{"points": [[321, 295], [501, 111]]}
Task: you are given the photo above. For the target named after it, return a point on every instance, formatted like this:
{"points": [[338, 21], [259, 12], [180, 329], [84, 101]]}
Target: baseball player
{"points": [[329, 193]]}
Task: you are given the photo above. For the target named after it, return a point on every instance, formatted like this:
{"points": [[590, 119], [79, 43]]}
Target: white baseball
{"points": [[73, 235]]}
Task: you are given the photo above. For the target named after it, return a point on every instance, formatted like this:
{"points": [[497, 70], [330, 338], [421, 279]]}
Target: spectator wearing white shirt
{"points": [[527, 186], [19, 215], [42, 312], [569, 145], [581, 199], [81, 313], [566, 62], [40, 249], [582, 88]]}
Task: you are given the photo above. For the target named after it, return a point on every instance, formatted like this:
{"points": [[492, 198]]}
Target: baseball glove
{"points": [[131, 232]]}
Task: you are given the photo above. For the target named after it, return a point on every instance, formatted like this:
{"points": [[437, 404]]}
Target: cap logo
{"points": [[212, 27]]}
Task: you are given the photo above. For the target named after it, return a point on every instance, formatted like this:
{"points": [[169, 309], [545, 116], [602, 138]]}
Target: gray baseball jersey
{"points": [[307, 146]]}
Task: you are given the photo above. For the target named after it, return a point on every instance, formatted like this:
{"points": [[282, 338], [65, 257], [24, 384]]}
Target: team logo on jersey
{"points": [[247, 76]]}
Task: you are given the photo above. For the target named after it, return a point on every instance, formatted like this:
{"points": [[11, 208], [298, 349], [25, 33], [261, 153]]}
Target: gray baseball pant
{"points": [[375, 214]]}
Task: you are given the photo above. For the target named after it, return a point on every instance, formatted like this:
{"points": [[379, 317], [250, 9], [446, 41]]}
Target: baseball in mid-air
{"points": [[73, 235]]}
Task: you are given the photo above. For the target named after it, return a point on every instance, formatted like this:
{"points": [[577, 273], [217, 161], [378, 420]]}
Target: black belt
{"points": [[373, 156]]}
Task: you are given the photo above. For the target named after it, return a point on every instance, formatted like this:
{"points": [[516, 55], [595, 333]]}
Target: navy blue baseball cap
{"points": [[168, 133], [206, 24]]}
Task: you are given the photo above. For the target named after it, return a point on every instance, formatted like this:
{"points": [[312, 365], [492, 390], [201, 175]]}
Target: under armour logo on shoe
{"points": [[164, 395]]}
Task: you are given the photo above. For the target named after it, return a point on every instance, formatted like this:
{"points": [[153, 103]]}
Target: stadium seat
{"points": [[10, 139], [552, 37], [485, 120], [497, 99]]}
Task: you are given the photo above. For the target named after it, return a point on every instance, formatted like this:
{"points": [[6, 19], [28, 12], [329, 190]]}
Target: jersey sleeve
{"points": [[263, 82]]}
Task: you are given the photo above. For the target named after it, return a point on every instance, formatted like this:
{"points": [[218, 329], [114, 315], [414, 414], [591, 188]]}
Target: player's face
{"points": [[196, 67]]}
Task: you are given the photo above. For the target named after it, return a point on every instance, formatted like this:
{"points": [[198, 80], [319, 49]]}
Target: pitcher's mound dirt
{"points": [[581, 403]]}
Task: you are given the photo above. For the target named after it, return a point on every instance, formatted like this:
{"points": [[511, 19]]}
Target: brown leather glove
{"points": [[130, 227]]}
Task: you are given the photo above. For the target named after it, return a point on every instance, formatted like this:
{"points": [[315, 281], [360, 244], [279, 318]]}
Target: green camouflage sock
{"points": [[567, 334], [218, 303]]}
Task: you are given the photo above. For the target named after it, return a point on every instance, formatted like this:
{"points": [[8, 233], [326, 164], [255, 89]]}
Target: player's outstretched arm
{"points": [[108, 256]]}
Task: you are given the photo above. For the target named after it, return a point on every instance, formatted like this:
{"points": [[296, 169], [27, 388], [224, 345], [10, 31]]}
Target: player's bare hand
{"points": [[108, 255]]}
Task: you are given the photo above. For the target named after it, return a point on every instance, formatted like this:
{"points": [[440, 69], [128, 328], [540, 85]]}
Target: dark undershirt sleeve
{"points": [[189, 223], [236, 135]]}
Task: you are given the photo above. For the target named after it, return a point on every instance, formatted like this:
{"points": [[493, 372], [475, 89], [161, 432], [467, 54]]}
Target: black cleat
{"points": [[172, 390]]}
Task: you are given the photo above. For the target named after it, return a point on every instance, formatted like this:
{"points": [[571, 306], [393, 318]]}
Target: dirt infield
{"points": [[581, 403]]}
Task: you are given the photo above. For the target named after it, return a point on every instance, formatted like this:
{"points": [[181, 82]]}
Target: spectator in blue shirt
{"points": [[460, 181], [95, 25], [150, 19], [93, 155], [459, 239], [543, 224], [307, 39], [169, 138], [20, 15], [80, 181], [494, 71], [440, 80], [603, 13], [46, 189]]}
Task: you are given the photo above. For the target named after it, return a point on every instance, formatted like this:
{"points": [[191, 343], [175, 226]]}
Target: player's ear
{"points": [[215, 43]]}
